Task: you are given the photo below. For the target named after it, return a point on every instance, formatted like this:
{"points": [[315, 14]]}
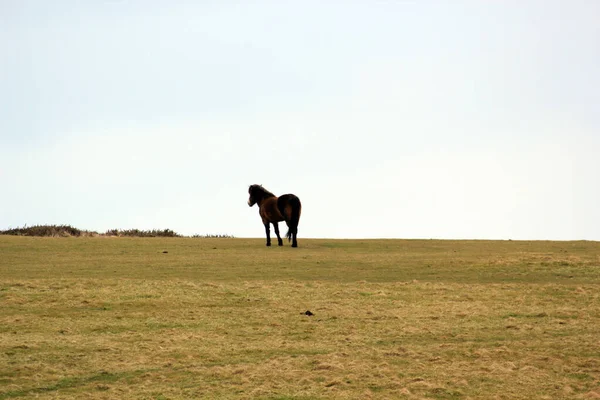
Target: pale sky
{"points": [[389, 119]]}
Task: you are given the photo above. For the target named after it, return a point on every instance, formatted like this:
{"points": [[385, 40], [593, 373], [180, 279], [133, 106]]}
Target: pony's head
{"points": [[253, 192], [257, 193]]}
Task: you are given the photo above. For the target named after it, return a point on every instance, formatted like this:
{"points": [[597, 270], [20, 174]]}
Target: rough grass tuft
{"points": [[141, 233], [213, 236]]}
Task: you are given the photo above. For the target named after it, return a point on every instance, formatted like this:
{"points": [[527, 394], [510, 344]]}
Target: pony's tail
{"points": [[296, 208], [294, 218]]}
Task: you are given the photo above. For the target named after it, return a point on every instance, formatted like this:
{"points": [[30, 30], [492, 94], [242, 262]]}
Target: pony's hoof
{"points": [[268, 244], [294, 244]]}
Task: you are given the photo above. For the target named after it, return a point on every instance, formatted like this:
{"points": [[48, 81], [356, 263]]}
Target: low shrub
{"points": [[47, 230], [68, 231]]}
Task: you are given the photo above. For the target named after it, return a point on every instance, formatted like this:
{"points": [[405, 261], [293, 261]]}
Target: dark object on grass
{"points": [[308, 313]]}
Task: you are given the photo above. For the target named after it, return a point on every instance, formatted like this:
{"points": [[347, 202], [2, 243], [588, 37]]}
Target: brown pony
{"points": [[273, 209]]}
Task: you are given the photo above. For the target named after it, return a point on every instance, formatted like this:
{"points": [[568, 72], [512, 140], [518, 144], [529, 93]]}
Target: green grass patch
{"points": [[214, 318]]}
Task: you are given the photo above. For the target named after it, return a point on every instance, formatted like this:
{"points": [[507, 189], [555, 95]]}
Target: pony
{"points": [[273, 209]]}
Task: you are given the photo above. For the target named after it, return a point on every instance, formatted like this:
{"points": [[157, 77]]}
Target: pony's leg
{"points": [[268, 232], [294, 241], [276, 226]]}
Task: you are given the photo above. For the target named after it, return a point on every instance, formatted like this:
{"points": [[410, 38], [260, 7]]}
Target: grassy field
{"points": [[175, 318]]}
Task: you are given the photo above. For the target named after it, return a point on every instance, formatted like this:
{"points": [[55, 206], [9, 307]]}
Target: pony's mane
{"points": [[259, 191]]}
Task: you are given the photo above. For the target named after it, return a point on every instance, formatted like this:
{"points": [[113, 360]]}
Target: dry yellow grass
{"points": [[106, 318]]}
